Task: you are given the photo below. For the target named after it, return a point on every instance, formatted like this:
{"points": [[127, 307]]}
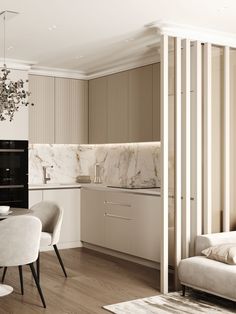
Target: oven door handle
{"points": [[18, 186], [13, 150]]}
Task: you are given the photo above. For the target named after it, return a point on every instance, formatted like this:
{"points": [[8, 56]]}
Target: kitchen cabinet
{"points": [[117, 109], [69, 200], [125, 222], [140, 104], [98, 111], [60, 113], [71, 113], [147, 232], [156, 90], [35, 196], [125, 107], [92, 217], [41, 115], [119, 218]]}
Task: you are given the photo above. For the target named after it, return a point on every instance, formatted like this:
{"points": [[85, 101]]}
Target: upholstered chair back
{"points": [[19, 240], [51, 216]]}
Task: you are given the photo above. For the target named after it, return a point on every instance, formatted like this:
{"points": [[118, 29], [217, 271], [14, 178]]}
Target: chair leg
{"points": [[60, 260], [183, 291], [4, 274], [37, 284], [38, 267], [21, 279]]}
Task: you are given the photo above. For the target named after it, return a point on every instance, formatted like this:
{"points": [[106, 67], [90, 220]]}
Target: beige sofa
{"points": [[204, 274]]}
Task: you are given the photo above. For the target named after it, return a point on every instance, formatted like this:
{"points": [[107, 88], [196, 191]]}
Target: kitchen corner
{"points": [[125, 200]]}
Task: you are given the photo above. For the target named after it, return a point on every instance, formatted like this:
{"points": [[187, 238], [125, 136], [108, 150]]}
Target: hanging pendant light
{"points": [[12, 93]]}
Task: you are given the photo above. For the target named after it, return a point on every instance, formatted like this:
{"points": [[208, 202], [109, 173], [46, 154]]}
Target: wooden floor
{"points": [[93, 280]]}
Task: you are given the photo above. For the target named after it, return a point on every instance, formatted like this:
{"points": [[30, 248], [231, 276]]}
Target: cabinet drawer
{"points": [[119, 232], [119, 222], [118, 204]]}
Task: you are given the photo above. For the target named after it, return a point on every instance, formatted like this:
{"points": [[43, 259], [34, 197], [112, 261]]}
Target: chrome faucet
{"points": [[46, 176]]}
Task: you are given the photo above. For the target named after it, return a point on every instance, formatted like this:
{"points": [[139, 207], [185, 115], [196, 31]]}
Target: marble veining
{"points": [[133, 165]]}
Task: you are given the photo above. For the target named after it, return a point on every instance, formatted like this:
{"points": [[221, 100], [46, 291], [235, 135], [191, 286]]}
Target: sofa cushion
{"points": [[209, 275], [225, 253], [207, 240]]}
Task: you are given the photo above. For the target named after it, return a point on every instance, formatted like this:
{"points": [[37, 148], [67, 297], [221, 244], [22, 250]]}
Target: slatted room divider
{"points": [[192, 63]]}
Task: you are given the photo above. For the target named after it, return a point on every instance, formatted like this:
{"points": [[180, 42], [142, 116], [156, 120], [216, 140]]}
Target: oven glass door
{"points": [[13, 163], [14, 197], [13, 168]]}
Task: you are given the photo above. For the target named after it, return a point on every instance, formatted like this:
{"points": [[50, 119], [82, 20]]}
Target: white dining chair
{"points": [[19, 245], [51, 216]]}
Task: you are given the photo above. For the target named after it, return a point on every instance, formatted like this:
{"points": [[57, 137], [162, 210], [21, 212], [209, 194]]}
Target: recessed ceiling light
{"points": [[51, 28], [10, 47], [129, 39], [79, 57]]}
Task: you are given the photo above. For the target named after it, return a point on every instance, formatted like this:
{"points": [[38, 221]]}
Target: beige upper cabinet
{"points": [[60, 114], [71, 111], [156, 90], [125, 107], [41, 115], [98, 111], [118, 113], [140, 104]]}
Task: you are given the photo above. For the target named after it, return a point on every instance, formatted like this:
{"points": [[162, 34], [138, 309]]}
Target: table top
{"points": [[16, 212]]}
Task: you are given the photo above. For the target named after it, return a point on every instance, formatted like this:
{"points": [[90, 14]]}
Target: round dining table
{"points": [[13, 212]]}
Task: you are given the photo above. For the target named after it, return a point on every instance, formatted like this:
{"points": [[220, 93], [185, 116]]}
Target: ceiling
{"points": [[90, 36]]}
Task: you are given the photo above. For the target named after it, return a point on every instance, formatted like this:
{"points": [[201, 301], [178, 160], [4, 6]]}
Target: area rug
{"points": [[174, 303]]}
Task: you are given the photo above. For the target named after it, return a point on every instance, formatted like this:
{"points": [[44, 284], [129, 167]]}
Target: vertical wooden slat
{"points": [[198, 137], [178, 204], [207, 139], [164, 150], [186, 188], [226, 211]]}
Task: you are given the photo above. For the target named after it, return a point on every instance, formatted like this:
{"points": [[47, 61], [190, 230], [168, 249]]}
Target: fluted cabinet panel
{"points": [[98, 111], [156, 83], [71, 112], [140, 104], [125, 107], [117, 119], [41, 115]]}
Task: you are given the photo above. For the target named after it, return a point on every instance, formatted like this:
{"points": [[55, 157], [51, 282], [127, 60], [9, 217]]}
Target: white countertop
{"points": [[93, 186]]}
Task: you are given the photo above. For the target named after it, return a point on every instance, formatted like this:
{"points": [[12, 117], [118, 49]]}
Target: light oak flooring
{"points": [[93, 280]]}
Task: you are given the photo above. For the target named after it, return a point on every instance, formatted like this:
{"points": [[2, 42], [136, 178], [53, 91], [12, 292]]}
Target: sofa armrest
{"points": [[207, 240]]}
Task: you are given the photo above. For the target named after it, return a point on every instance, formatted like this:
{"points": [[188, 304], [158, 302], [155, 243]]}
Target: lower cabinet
{"points": [[128, 223], [69, 200], [92, 217], [35, 196]]}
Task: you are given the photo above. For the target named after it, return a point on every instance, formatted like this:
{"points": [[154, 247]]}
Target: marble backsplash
{"points": [[132, 165]]}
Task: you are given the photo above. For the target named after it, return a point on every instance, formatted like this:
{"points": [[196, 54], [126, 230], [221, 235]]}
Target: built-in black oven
{"points": [[14, 173]]}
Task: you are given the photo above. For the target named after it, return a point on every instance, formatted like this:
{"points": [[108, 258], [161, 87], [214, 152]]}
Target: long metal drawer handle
{"points": [[119, 204], [12, 186], [9, 150], [116, 216]]}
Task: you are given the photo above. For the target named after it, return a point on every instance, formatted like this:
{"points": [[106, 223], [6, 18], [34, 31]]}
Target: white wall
{"points": [[18, 128]]}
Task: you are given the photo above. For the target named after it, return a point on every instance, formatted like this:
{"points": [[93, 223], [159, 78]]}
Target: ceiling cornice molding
{"points": [[124, 67], [67, 73], [195, 33], [13, 64], [131, 64]]}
